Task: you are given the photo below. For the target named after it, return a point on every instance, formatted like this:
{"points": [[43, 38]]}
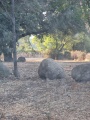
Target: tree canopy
{"points": [[37, 17], [41, 17]]}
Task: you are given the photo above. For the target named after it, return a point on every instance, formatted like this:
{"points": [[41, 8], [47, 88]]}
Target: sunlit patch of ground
{"points": [[31, 98], [40, 59], [34, 59]]}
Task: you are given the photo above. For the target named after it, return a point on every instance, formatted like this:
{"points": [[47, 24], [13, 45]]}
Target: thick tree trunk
{"points": [[8, 57], [14, 40]]}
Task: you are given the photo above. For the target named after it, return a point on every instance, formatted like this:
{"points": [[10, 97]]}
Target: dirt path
{"points": [[32, 98]]}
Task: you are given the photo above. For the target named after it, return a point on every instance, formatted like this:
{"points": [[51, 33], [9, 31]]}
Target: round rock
{"points": [[81, 72], [51, 69], [21, 59]]}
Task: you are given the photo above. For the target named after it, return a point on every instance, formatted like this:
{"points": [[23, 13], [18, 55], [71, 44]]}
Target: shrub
{"points": [[87, 57], [78, 55], [67, 55]]}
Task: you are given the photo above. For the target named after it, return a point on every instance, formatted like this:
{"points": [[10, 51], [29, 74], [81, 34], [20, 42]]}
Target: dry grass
{"points": [[31, 98]]}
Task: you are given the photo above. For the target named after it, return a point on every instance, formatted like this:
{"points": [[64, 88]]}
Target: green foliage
{"points": [[81, 42], [5, 28], [57, 43], [40, 17], [5, 42], [30, 18], [24, 45], [53, 43], [85, 6], [66, 15]]}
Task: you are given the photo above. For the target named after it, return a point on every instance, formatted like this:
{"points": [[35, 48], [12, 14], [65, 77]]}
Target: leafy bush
{"points": [[59, 55], [78, 55], [87, 57], [67, 55]]}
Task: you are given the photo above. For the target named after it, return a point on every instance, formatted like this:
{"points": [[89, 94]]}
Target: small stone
{"points": [[21, 59]]}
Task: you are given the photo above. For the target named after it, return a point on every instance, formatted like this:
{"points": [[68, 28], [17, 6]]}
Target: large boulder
{"points": [[50, 69], [21, 59], [81, 72], [4, 71]]}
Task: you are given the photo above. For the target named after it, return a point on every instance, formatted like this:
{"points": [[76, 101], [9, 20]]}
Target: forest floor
{"points": [[31, 98]]}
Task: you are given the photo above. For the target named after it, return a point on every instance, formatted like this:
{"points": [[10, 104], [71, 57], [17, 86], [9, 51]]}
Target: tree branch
{"points": [[33, 33], [61, 47], [3, 6]]}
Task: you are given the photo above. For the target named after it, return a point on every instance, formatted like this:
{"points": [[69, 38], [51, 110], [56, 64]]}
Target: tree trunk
{"points": [[14, 40], [8, 57], [56, 56]]}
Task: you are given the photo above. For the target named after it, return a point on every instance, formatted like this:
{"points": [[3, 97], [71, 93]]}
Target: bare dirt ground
{"points": [[31, 98]]}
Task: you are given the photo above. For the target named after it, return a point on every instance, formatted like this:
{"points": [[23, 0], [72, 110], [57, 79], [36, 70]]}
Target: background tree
{"points": [[14, 38], [81, 42], [29, 18], [6, 45], [53, 44], [25, 45], [41, 17], [6, 31]]}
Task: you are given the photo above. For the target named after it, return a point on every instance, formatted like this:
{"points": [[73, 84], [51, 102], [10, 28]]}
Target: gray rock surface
{"points": [[81, 72], [50, 69], [4, 71]]}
